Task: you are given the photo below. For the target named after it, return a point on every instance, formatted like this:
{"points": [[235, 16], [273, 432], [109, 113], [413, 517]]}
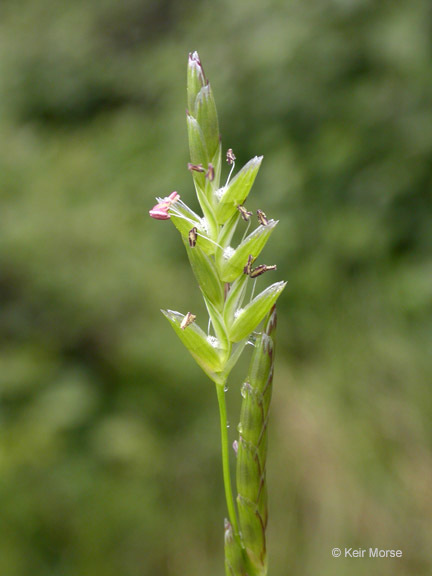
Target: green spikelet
{"points": [[252, 448], [234, 560]]}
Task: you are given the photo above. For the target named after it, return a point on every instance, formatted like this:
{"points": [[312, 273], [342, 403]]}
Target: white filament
{"points": [[229, 175]]}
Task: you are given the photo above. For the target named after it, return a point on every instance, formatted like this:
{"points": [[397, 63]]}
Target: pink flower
{"points": [[160, 211]]}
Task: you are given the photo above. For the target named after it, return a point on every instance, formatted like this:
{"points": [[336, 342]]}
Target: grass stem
{"points": [[220, 390]]}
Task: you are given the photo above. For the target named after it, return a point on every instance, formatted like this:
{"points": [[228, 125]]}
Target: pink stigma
{"points": [[160, 211]]}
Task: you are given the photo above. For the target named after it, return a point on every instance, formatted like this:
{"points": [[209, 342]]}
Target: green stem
{"points": [[220, 389]]}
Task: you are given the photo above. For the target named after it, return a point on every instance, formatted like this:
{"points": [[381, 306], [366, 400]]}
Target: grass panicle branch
{"points": [[224, 273]]}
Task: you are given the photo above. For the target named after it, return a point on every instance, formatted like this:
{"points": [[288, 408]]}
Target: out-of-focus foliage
{"points": [[109, 455]]}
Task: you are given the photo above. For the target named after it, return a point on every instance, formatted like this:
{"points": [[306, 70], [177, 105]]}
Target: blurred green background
{"points": [[109, 438]]}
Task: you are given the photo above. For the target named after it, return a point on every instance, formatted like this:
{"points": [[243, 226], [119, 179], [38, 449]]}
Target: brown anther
{"points": [[260, 270], [195, 167], [262, 218], [210, 172], [245, 214], [192, 237], [230, 156], [188, 319], [247, 268]]}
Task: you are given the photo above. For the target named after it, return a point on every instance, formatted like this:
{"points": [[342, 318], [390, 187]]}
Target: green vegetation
{"points": [[107, 455]]}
